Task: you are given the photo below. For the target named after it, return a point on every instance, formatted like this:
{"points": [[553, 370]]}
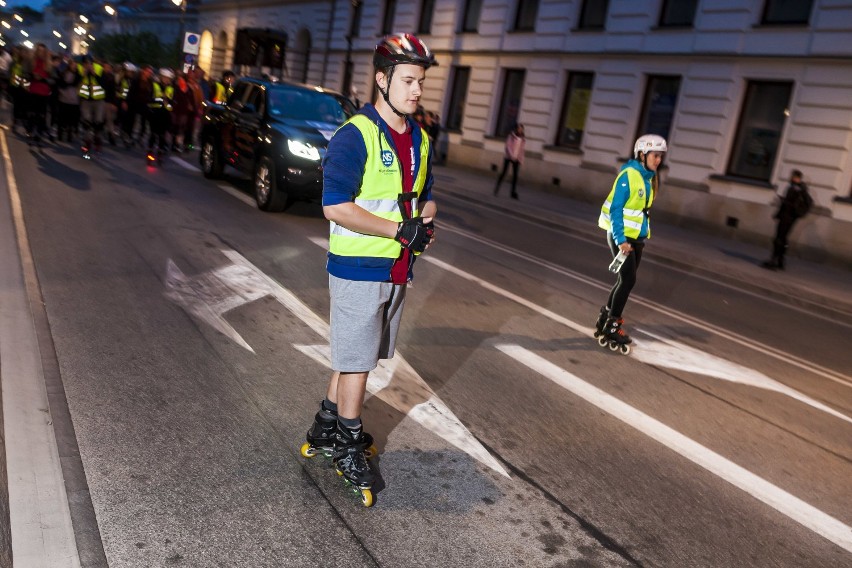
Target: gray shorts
{"points": [[365, 319]]}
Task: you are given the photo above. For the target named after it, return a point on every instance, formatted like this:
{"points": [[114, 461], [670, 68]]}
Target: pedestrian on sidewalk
{"points": [[513, 154], [377, 183], [624, 216], [795, 203]]}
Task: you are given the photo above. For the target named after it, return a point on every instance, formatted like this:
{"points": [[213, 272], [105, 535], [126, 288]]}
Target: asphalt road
{"points": [[188, 328]]}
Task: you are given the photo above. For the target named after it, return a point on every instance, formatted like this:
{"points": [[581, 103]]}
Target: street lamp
{"points": [[109, 10]]}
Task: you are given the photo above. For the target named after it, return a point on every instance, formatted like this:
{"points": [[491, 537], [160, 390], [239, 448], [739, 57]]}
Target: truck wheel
{"points": [[266, 191], [211, 162]]}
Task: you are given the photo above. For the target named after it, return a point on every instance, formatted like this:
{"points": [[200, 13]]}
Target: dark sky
{"points": [[36, 4]]}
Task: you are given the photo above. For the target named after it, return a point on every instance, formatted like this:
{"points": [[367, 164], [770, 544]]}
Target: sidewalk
{"points": [[821, 287]]}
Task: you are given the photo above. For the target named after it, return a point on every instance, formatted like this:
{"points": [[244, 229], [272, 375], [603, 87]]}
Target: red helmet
{"points": [[401, 49]]}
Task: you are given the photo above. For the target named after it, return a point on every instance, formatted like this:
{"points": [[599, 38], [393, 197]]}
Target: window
{"points": [[659, 106], [526, 15], [593, 14], [458, 96], [787, 11], [678, 13], [355, 25], [427, 9], [255, 99], [470, 22], [575, 109], [759, 131], [390, 13], [510, 102]]}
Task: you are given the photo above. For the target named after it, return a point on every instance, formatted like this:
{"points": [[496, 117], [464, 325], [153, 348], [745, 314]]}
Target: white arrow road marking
{"points": [[659, 352], [212, 294], [783, 502]]}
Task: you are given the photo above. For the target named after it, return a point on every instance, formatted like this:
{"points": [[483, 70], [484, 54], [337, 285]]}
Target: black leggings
{"points": [[506, 162], [626, 277]]}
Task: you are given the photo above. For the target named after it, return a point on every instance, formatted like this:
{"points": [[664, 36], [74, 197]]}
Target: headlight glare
{"points": [[303, 150]]}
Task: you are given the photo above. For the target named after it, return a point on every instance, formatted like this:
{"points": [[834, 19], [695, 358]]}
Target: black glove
{"points": [[413, 234]]}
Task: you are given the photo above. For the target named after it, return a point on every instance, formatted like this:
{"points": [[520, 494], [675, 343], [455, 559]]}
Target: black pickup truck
{"points": [[277, 132]]}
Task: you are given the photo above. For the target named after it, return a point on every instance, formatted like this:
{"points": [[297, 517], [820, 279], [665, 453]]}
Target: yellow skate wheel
{"points": [[307, 451], [366, 497], [371, 452], [340, 473]]}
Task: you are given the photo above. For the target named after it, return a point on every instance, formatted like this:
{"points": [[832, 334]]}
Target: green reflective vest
{"points": [[380, 189], [634, 209], [18, 79], [90, 88], [123, 90]]}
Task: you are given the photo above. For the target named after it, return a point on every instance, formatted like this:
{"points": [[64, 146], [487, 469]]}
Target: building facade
{"points": [[745, 91]]}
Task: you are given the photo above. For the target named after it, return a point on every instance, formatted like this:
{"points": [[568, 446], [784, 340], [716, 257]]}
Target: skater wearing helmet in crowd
{"points": [[377, 196], [159, 114], [92, 104], [624, 216]]}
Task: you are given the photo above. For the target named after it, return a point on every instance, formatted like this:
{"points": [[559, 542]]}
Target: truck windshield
{"points": [[305, 104]]}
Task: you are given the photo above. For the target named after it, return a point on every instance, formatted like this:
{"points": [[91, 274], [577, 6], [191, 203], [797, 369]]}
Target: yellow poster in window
{"points": [[578, 108]]}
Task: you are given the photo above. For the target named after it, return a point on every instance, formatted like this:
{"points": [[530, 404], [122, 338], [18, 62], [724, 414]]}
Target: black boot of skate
{"points": [[321, 436], [349, 459], [599, 325]]}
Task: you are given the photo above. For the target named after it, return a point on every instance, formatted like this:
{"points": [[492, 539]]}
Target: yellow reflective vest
{"points": [[90, 88], [381, 186], [640, 198], [17, 77], [162, 97]]}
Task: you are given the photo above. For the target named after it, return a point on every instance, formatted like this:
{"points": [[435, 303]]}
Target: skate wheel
{"points": [[613, 346], [307, 451], [340, 473], [602, 341], [371, 452], [625, 349], [366, 497]]}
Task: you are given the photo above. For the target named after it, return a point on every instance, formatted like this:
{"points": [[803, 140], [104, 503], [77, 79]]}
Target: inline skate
{"points": [[599, 325], [351, 463], [614, 337]]}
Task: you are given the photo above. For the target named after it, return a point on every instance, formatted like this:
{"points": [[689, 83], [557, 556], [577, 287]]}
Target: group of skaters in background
{"points": [[58, 97]]}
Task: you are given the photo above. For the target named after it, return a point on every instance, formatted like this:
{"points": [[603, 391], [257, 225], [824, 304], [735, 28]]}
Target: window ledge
{"points": [[563, 149], [521, 31], [673, 27], [743, 181], [846, 200], [777, 25], [592, 29]]}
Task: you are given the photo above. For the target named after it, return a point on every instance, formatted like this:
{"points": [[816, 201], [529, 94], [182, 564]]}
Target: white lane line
{"points": [[780, 500], [674, 314], [248, 200], [184, 164], [658, 352], [39, 514]]}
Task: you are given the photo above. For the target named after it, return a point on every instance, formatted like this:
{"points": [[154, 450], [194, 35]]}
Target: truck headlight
{"points": [[303, 150]]}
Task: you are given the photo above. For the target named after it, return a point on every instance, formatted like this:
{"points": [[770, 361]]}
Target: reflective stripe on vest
{"points": [[380, 189], [90, 88], [125, 89], [633, 211]]}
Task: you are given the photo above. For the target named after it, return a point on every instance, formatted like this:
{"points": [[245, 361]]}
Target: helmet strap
{"points": [[386, 93]]}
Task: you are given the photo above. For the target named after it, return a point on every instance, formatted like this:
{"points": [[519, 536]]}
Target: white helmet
{"points": [[649, 143], [169, 74], [129, 67]]}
